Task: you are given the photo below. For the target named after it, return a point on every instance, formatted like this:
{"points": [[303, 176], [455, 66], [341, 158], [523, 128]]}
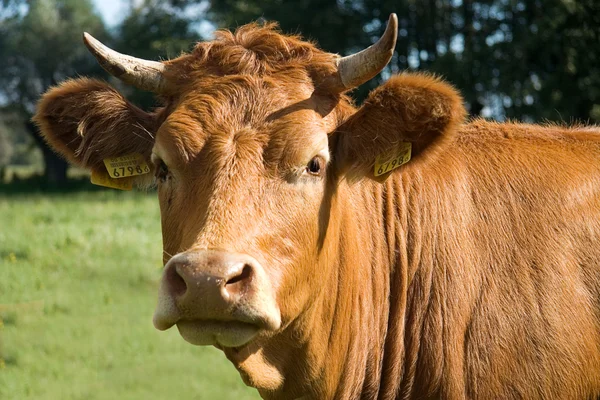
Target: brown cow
{"points": [[472, 271]]}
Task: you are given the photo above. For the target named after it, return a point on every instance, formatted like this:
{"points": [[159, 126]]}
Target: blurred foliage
{"points": [[529, 60], [17, 147], [38, 48]]}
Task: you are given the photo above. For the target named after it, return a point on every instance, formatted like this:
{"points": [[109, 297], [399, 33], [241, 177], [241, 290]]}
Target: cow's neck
{"points": [[364, 306], [362, 336], [383, 317]]}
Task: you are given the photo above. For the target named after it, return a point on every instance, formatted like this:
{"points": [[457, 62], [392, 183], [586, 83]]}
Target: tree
{"points": [[40, 45], [6, 149]]}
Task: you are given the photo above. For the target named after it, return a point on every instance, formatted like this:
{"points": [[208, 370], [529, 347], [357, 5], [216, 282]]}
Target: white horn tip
{"points": [[391, 33], [88, 39], [356, 69]]}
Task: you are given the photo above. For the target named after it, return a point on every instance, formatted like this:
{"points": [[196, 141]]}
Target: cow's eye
{"points": [[316, 166], [162, 171]]}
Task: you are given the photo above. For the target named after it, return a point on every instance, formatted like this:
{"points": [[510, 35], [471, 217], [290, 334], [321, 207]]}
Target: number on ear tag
{"points": [[387, 162], [126, 166]]}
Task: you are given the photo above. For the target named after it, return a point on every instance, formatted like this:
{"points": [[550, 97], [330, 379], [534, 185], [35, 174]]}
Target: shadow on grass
{"points": [[36, 184]]}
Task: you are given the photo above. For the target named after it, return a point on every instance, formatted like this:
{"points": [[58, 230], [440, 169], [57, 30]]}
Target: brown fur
{"points": [[472, 272]]}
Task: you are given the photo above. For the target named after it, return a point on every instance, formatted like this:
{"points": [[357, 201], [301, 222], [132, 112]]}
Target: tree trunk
{"points": [[55, 168]]}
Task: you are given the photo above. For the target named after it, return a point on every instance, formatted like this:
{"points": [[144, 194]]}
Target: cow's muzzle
{"points": [[216, 298]]}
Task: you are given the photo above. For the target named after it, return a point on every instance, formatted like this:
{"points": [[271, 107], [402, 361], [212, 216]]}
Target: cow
{"points": [[396, 250]]}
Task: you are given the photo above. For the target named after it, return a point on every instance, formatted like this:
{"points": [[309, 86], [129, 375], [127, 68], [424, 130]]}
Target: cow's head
{"points": [[247, 154]]}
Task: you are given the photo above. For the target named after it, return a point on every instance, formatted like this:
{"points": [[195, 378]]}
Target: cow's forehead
{"points": [[285, 121]]}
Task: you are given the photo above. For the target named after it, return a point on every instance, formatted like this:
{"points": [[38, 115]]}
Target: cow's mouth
{"points": [[229, 331], [222, 334], [216, 298]]}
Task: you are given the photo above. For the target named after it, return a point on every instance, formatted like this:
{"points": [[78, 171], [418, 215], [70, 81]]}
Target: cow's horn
{"points": [[143, 74], [356, 69]]}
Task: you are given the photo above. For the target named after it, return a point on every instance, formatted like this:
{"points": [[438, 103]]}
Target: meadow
{"points": [[78, 281]]}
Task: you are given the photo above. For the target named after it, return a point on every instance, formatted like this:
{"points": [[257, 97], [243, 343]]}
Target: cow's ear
{"points": [[410, 116], [87, 121]]}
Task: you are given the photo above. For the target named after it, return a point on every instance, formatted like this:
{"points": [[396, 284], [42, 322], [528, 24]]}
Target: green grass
{"points": [[78, 283]]}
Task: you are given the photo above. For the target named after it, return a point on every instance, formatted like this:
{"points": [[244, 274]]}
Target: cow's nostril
{"points": [[245, 275], [176, 283]]}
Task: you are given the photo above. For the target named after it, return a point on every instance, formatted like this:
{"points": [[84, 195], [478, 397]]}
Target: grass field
{"points": [[78, 282]]}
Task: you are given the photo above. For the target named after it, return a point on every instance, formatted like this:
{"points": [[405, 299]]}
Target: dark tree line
{"points": [[531, 60]]}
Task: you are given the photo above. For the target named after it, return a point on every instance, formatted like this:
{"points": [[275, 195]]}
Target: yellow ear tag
{"points": [[126, 166], [391, 160], [102, 178]]}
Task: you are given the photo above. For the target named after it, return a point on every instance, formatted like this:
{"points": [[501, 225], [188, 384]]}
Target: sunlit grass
{"points": [[78, 279]]}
